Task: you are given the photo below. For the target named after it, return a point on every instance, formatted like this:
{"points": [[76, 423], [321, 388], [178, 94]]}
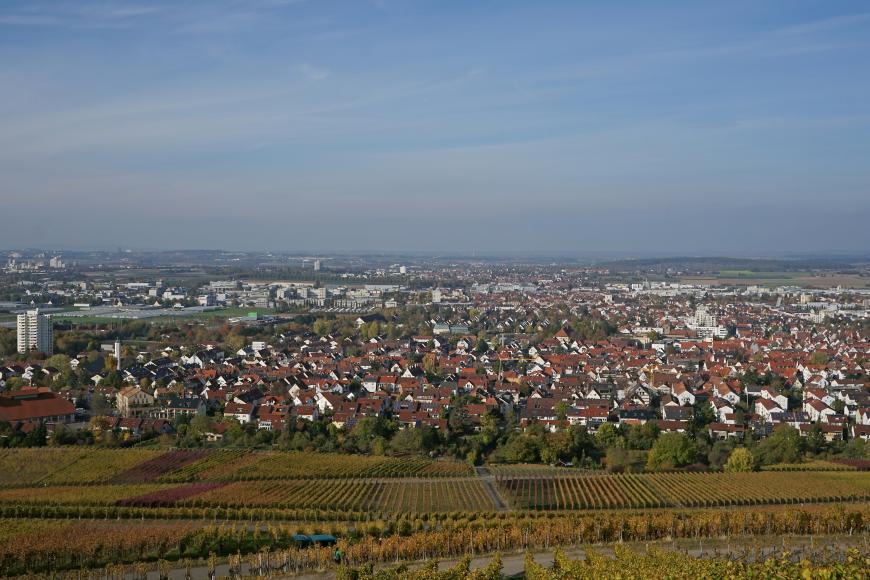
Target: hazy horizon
{"points": [[561, 128]]}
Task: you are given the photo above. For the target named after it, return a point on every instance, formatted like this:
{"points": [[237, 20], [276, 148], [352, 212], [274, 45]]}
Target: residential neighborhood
{"points": [[545, 349]]}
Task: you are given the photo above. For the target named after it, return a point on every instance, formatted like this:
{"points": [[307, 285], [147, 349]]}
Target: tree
{"points": [[583, 446], [407, 440], [719, 452], [784, 445], [857, 448], [8, 342], [740, 461], [519, 448], [234, 342], [430, 364], [58, 361], [621, 460], [608, 436], [642, 436], [458, 421], [322, 327], [99, 405], [672, 450], [36, 437], [369, 435]]}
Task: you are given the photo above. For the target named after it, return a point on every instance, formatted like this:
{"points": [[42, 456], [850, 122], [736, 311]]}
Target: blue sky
{"points": [[737, 127]]}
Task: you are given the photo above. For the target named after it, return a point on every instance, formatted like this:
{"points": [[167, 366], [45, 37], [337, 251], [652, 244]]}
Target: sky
{"points": [[695, 128]]}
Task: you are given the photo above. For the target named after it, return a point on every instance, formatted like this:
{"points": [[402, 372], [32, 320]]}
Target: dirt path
{"points": [[488, 481]]}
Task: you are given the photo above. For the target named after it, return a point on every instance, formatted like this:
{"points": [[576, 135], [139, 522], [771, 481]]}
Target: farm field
{"points": [[448, 495], [70, 465], [293, 465], [235, 479], [99, 465], [420, 495], [412, 496], [98, 495], [682, 489], [30, 466], [532, 470], [29, 546], [813, 465]]}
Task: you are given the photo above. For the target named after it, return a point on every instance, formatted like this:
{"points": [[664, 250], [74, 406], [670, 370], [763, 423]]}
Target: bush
{"points": [[740, 461]]}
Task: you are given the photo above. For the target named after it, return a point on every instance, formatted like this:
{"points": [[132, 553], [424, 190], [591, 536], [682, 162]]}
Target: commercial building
{"points": [[35, 405]]}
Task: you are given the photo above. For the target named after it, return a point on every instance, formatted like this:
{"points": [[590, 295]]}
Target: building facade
{"points": [[35, 332]]}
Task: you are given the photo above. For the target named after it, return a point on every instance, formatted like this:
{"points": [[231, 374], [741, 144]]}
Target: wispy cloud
{"points": [[78, 15], [314, 73], [217, 15], [824, 24]]}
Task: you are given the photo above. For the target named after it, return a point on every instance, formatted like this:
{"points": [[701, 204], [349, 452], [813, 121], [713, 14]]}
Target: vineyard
{"points": [[440, 495], [80, 466], [295, 465], [75, 508], [158, 466], [205, 480], [530, 470], [42, 545], [655, 563], [682, 490], [814, 465], [38, 546], [99, 465], [100, 495], [213, 461], [358, 495], [30, 466], [627, 563]]}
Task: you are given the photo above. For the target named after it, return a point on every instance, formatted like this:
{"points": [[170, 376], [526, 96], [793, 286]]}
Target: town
{"points": [[483, 361]]}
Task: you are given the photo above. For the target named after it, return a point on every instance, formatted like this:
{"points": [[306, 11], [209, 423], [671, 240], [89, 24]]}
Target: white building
{"points": [[706, 325], [35, 332]]}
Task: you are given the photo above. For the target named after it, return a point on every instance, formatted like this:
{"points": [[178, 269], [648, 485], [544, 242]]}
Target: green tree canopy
{"points": [[740, 461], [784, 445], [672, 450]]}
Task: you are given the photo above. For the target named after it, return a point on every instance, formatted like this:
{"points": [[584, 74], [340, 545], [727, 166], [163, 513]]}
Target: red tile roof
{"points": [[31, 406]]}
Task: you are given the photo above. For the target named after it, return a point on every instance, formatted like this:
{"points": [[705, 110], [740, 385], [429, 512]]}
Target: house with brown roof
{"points": [[35, 405]]}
